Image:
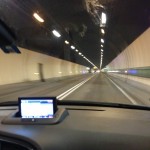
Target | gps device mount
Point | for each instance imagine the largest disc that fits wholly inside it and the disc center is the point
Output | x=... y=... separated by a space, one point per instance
x=59 y=116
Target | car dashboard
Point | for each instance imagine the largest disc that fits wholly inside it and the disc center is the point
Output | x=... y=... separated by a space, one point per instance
x=85 y=127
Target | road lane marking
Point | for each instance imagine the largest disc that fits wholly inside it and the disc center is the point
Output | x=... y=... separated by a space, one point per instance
x=68 y=92
x=123 y=92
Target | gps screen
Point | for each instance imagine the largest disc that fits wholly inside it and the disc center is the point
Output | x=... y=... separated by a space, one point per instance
x=37 y=108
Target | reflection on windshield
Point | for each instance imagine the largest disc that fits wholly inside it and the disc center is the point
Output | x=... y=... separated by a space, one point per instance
x=82 y=51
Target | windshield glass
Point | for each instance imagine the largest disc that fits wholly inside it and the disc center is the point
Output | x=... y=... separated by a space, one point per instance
x=82 y=50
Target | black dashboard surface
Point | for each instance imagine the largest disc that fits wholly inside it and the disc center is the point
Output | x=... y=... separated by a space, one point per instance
x=86 y=128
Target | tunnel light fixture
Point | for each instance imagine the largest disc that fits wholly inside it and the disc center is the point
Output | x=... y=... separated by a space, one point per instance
x=90 y=62
x=102 y=50
x=102 y=31
x=102 y=40
x=56 y=33
x=102 y=46
x=72 y=47
x=36 y=73
x=60 y=72
x=95 y=67
x=103 y=18
x=37 y=17
x=113 y=71
x=66 y=42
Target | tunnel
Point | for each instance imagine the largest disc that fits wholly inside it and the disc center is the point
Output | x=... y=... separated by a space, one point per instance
x=84 y=50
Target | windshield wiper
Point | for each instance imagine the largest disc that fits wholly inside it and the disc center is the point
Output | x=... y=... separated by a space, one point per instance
x=102 y=104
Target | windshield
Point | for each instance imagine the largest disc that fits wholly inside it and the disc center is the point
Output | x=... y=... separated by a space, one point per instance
x=81 y=50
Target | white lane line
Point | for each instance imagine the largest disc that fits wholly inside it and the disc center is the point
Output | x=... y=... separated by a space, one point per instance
x=68 y=92
x=123 y=92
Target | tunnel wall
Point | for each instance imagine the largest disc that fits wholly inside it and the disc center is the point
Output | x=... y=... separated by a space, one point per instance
x=23 y=67
x=133 y=64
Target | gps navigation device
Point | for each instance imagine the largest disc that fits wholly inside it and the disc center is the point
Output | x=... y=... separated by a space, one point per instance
x=37 y=107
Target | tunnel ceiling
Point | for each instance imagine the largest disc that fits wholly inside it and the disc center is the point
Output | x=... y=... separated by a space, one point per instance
x=126 y=20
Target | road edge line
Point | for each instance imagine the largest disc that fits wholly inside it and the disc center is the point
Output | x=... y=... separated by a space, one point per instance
x=122 y=91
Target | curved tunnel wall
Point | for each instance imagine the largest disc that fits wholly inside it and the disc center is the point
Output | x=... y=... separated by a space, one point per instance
x=133 y=64
x=15 y=68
